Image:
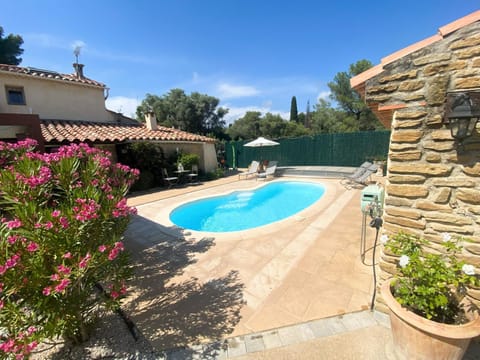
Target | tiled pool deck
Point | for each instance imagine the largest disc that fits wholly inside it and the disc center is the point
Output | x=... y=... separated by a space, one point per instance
x=296 y=289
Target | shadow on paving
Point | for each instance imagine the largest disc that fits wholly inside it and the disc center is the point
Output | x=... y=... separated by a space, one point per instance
x=173 y=315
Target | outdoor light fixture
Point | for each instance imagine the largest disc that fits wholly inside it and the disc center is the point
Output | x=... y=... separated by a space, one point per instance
x=462 y=114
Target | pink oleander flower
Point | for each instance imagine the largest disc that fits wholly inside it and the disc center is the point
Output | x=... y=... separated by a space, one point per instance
x=32 y=346
x=114 y=294
x=55 y=213
x=102 y=248
x=48 y=225
x=2 y=304
x=62 y=286
x=87 y=210
x=32 y=246
x=123 y=289
x=64 y=269
x=47 y=291
x=12 y=261
x=122 y=209
x=12 y=239
x=83 y=263
x=13 y=224
x=106 y=188
x=25 y=144
x=54 y=277
x=113 y=254
x=116 y=249
x=7 y=346
x=64 y=222
x=67 y=255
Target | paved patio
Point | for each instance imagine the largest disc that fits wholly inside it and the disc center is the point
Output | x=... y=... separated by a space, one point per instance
x=269 y=293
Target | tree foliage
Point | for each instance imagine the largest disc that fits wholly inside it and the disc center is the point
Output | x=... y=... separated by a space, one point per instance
x=253 y=125
x=196 y=113
x=293 y=110
x=326 y=119
x=348 y=99
x=10 y=49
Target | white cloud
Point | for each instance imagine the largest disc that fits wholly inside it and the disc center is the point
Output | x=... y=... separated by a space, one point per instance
x=229 y=91
x=323 y=95
x=122 y=104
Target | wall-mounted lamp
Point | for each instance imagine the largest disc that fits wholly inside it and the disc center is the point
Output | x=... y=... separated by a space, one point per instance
x=462 y=114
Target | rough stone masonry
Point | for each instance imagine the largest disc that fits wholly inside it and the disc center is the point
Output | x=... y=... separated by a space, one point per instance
x=431 y=187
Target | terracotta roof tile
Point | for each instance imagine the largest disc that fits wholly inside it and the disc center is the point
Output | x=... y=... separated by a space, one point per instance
x=47 y=74
x=60 y=131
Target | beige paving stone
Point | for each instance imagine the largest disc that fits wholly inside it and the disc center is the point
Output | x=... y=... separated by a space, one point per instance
x=295 y=300
x=359 y=301
x=309 y=264
x=297 y=276
x=329 y=302
x=356 y=281
x=271 y=317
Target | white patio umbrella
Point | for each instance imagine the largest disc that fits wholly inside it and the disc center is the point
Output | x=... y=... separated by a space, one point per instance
x=261 y=141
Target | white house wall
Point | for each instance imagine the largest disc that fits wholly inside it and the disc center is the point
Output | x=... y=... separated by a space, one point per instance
x=206 y=152
x=52 y=99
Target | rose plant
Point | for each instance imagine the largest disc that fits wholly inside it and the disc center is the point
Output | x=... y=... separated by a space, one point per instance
x=431 y=283
x=63 y=215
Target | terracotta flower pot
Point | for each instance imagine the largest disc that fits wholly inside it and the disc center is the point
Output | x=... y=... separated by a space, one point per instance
x=415 y=337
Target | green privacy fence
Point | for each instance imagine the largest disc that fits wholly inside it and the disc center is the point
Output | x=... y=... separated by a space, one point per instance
x=346 y=149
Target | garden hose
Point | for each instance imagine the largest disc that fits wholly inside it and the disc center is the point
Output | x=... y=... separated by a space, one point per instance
x=377 y=224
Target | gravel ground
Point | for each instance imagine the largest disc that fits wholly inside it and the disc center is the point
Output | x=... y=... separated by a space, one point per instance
x=111 y=339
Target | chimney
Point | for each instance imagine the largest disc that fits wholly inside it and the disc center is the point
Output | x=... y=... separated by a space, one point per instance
x=151 y=120
x=78 y=70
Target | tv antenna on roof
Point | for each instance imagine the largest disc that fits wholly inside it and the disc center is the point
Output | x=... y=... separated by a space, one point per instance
x=76 y=52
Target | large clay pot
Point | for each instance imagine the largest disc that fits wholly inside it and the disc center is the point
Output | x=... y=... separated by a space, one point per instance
x=415 y=337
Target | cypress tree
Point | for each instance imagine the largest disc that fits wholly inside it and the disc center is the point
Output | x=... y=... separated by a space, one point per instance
x=307 y=116
x=293 y=110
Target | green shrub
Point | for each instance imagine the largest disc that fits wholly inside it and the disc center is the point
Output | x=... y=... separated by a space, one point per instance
x=430 y=283
x=187 y=160
x=147 y=157
x=146 y=181
x=214 y=175
x=63 y=216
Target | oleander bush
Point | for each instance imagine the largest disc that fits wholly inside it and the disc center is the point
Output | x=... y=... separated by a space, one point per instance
x=62 y=219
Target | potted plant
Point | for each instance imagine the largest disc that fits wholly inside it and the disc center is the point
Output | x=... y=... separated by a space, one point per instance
x=431 y=317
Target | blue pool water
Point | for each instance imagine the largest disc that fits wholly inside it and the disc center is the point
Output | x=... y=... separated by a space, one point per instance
x=242 y=210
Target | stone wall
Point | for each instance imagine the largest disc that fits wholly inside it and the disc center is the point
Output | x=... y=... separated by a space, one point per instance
x=431 y=187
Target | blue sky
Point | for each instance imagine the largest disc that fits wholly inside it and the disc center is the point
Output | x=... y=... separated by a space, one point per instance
x=252 y=55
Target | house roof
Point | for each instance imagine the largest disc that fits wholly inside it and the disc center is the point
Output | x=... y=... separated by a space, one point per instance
x=47 y=74
x=358 y=82
x=60 y=131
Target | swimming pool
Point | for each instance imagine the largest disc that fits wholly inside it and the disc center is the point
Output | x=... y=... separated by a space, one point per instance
x=243 y=210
